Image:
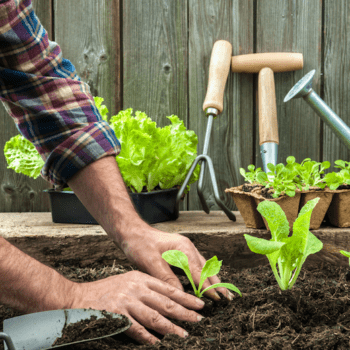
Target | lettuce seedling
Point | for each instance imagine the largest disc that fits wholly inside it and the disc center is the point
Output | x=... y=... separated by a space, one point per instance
x=280 y=179
x=310 y=173
x=345 y=253
x=286 y=254
x=211 y=268
x=334 y=180
x=342 y=165
x=252 y=175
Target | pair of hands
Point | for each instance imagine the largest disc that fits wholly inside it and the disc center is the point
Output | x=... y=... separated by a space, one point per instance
x=148 y=298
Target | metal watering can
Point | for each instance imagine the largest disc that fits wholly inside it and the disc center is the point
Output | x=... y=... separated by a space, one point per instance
x=303 y=88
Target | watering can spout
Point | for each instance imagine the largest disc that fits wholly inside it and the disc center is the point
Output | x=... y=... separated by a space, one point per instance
x=303 y=88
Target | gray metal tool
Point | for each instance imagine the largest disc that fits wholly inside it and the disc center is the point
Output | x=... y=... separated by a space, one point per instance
x=219 y=68
x=38 y=331
x=303 y=88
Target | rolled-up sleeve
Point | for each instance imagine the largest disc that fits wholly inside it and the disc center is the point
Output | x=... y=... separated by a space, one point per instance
x=49 y=103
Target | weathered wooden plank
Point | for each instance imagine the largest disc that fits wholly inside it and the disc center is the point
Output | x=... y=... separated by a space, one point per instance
x=155 y=51
x=155 y=59
x=292 y=26
x=18 y=193
x=336 y=68
x=89 y=35
x=231 y=145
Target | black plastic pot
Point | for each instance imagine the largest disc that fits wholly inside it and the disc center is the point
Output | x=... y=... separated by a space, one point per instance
x=153 y=207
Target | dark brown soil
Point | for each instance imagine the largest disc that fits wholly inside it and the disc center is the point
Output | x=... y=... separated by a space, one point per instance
x=249 y=187
x=91 y=328
x=315 y=314
x=265 y=192
x=344 y=187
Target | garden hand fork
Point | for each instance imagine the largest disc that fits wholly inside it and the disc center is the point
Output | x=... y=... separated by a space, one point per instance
x=219 y=68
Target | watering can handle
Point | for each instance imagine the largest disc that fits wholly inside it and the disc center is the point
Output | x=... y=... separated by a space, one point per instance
x=8 y=341
x=219 y=68
x=268 y=126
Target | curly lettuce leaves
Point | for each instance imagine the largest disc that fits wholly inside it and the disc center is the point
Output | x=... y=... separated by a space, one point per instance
x=152 y=156
x=22 y=157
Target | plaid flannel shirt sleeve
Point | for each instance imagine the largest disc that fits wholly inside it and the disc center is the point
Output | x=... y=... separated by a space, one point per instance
x=49 y=103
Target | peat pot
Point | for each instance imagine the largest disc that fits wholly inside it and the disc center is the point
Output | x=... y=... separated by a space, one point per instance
x=338 y=212
x=319 y=212
x=153 y=207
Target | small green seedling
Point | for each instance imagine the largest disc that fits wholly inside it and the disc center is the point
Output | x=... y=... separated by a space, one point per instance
x=252 y=175
x=286 y=253
x=310 y=173
x=211 y=268
x=347 y=254
x=280 y=179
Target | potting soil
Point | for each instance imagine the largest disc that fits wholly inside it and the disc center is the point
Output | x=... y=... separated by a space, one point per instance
x=315 y=314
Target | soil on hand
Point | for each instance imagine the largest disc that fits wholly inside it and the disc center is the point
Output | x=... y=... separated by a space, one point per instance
x=91 y=328
x=315 y=314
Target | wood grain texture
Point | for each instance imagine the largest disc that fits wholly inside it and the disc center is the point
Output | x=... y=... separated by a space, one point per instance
x=155 y=59
x=155 y=56
x=231 y=144
x=268 y=125
x=292 y=26
x=19 y=193
x=88 y=33
x=336 y=75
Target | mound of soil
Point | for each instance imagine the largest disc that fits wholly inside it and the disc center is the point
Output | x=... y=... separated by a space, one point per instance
x=315 y=314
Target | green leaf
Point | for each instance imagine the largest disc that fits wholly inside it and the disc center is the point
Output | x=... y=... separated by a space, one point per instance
x=101 y=108
x=224 y=285
x=251 y=167
x=180 y=260
x=345 y=253
x=22 y=157
x=211 y=268
x=262 y=246
x=276 y=219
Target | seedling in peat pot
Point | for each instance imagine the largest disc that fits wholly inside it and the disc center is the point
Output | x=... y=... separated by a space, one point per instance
x=310 y=173
x=280 y=179
x=252 y=175
x=211 y=268
x=286 y=253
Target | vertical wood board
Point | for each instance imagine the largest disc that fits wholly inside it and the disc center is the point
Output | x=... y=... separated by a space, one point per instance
x=88 y=33
x=336 y=75
x=231 y=143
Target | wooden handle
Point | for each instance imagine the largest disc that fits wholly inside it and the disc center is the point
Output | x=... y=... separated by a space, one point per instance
x=268 y=126
x=277 y=61
x=219 y=68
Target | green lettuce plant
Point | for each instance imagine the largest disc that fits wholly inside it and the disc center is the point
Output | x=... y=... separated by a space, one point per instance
x=211 y=268
x=286 y=254
x=150 y=156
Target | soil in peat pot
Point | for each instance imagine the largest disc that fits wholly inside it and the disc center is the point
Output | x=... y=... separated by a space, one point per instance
x=315 y=314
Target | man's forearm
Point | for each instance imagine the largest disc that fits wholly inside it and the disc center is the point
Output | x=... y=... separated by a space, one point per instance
x=100 y=187
x=28 y=285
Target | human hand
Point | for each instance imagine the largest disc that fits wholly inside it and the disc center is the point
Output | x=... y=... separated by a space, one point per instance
x=145 y=300
x=146 y=246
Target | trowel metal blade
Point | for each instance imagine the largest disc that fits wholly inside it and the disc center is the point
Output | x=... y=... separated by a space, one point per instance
x=38 y=331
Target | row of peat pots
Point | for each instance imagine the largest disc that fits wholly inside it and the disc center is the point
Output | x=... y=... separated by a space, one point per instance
x=333 y=206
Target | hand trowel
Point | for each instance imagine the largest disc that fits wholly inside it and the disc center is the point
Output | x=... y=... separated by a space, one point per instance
x=38 y=331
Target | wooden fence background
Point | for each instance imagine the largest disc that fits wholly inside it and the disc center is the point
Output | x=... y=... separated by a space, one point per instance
x=153 y=56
